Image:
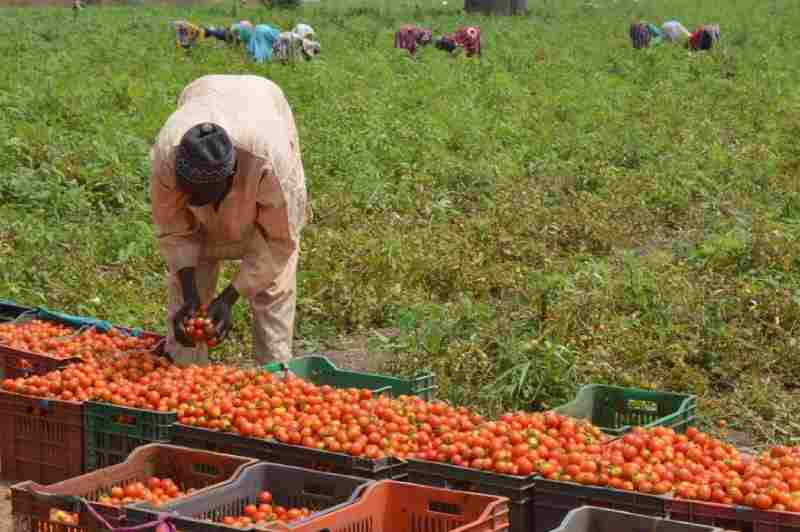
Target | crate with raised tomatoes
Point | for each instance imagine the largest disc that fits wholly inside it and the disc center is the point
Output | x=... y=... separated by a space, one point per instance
x=42 y=416
x=503 y=457
x=758 y=493
x=36 y=341
x=296 y=422
x=156 y=474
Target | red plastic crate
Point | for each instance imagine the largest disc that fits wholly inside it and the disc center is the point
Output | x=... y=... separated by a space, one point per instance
x=40 y=440
x=391 y=506
x=33 y=504
x=728 y=517
x=18 y=363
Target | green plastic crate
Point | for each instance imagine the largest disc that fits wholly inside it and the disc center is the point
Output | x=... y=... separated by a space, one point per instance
x=617 y=410
x=321 y=371
x=108 y=440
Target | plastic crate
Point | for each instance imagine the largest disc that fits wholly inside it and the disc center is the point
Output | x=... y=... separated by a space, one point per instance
x=9 y=311
x=391 y=506
x=553 y=500
x=321 y=371
x=32 y=503
x=591 y=519
x=40 y=440
x=112 y=432
x=17 y=363
x=290 y=487
x=732 y=517
x=617 y=410
x=220 y=442
x=293 y=455
x=518 y=490
x=388 y=468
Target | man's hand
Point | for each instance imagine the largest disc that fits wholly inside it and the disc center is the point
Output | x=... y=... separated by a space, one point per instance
x=191 y=304
x=220 y=312
x=188 y=310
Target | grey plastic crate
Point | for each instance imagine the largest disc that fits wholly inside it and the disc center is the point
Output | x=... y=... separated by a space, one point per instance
x=593 y=519
x=290 y=487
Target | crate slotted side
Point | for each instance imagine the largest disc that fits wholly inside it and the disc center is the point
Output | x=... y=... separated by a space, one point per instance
x=291 y=487
x=518 y=490
x=109 y=436
x=321 y=371
x=189 y=468
x=593 y=519
x=391 y=506
x=40 y=440
x=617 y=410
x=294 y=455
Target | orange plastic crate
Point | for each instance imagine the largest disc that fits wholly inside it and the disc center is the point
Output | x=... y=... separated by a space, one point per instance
x=391 y=506
x=32 y=504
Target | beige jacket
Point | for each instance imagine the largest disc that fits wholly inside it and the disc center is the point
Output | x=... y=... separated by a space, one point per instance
x=268 y=193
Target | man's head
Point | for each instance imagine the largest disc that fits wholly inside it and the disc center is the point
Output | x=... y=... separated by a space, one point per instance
x=205 y=162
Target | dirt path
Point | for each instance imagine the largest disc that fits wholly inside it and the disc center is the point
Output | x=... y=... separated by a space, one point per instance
x=353 y=353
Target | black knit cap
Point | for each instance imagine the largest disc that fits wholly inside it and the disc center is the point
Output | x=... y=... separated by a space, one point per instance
x=205 y=156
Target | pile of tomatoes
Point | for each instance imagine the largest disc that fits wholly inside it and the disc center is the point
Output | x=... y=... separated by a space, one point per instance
x=693 y=466
x=61 y=342
x=156 y=491
x=770 y=481
x=516 y=444
x=350 y=421
x=265 y=512
x=125 y=378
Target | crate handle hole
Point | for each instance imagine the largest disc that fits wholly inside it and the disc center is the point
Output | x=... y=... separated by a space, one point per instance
x=319 y=490
x=205 y=469
x=445 y=508
x=460 y=486
x=642 y=405
x=39 y=412
x=122 y=419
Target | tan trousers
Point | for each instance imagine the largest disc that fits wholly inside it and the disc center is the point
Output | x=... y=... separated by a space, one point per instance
x=273 y=309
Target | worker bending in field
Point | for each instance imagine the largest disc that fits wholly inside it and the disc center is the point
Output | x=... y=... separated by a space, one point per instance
x=228 y=184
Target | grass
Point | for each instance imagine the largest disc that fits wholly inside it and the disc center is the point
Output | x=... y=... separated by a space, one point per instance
x=564 y=210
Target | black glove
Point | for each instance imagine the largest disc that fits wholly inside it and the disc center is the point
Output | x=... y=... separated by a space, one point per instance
x=191 y=304
x=220 y=312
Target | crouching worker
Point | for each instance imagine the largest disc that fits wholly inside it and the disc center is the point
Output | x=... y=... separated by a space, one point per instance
x=228 y=183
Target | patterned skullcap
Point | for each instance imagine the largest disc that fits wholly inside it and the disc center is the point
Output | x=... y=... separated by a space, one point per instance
x=205 y=155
